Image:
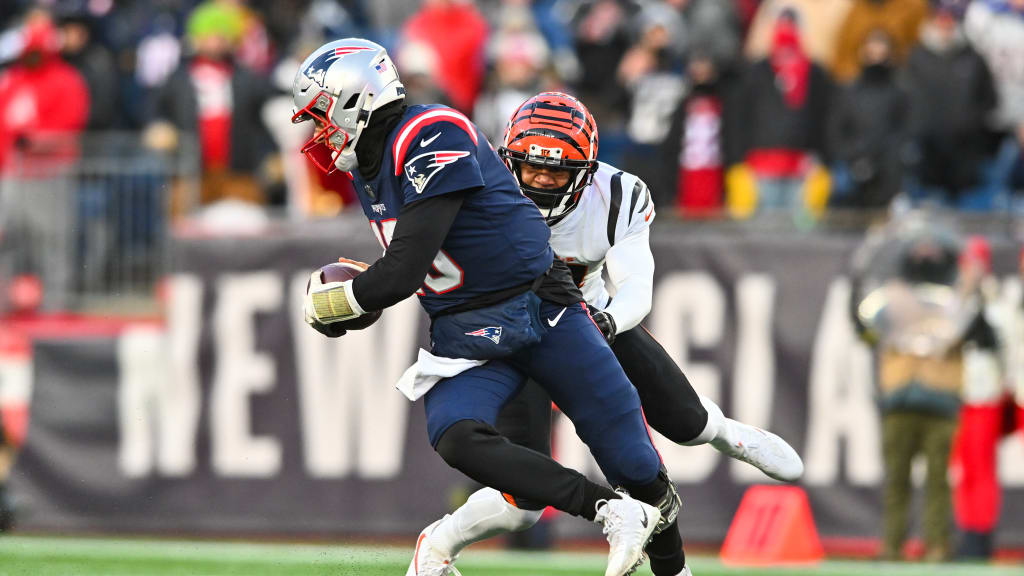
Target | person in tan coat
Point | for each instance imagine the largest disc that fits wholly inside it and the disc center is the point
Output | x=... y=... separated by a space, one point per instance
x=915 y=322
x=900 y=19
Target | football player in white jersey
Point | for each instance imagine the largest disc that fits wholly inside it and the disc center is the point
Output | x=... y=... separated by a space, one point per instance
x=600 y=218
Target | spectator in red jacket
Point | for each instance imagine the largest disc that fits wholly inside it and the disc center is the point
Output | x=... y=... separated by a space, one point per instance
x=782 y=109
x=41 y=96
x=456 y=29
x=44 y=105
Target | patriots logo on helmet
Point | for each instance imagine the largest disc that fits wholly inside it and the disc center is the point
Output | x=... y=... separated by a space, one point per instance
x=422 y=168
x=317 y=69
x=492 y=333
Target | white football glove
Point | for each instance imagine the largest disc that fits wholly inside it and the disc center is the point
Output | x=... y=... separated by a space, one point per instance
x=331 y=302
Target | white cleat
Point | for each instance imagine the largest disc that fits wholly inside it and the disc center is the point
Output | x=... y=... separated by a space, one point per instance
x=685 y=572
x=428 y=561
x=629 y=525
x=763 y=450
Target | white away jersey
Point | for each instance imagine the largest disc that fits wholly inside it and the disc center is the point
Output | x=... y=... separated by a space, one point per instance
x=611 y=225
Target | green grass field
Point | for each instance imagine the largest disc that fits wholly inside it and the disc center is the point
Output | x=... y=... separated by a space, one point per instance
x=37 y=556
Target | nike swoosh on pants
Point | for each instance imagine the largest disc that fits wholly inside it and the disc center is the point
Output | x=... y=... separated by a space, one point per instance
x=553 y=321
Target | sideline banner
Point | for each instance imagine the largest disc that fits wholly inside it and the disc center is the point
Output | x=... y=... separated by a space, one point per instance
x=236 y=418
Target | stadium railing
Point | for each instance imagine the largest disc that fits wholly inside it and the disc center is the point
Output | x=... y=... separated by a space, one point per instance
x=88 y=215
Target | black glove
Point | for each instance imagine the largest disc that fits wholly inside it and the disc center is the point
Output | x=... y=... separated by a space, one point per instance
x=330 y=330
x=606 y=324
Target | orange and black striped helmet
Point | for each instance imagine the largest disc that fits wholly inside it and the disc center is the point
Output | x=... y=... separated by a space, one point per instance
x=553 y=130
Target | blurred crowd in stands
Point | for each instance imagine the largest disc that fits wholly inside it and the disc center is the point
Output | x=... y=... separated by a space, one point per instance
x=725 y=107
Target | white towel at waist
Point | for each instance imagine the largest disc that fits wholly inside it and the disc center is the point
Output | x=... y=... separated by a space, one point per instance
x=428 y=370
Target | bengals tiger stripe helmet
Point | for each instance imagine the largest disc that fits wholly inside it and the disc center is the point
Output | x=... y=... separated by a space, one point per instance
x=557 y=131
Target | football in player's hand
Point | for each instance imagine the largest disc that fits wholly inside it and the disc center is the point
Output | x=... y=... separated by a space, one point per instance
x=340 y=272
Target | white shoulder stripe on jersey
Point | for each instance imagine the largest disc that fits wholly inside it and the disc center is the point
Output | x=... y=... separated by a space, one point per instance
x=444 y=113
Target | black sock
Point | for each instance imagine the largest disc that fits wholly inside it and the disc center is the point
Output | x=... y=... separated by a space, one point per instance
x=592 y=493
x=650 y=493
x=666 y=548
x=666 y=552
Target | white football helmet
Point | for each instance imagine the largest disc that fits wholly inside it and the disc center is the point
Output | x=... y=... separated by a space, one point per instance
x=339 y=86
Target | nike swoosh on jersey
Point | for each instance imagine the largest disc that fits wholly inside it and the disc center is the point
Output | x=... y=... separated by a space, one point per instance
x=426 y=142
x=553 y=321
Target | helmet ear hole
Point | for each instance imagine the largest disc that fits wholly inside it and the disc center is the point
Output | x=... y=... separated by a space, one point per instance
x=351 y=103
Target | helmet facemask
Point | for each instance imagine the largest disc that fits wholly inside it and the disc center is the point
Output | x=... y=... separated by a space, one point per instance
x=331 y=147
x=338 y=86
x=554 y=203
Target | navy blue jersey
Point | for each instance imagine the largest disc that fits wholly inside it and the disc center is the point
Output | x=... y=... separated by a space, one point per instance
x=498 y=240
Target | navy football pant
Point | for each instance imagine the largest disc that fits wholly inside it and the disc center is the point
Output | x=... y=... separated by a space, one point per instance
x=580 y=373
x=671 y=405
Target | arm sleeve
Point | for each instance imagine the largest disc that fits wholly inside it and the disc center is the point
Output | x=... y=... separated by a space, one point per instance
x=630 y=263
x=421 y=229
x=631 y=270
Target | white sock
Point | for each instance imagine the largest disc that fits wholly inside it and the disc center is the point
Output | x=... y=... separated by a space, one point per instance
x=717 y=426
x=485 y=514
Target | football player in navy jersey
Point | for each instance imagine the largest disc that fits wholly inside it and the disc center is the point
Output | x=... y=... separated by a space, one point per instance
x=600 y=218
x=458 y=232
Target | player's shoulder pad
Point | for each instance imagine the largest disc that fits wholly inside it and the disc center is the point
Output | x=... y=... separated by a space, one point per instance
x=414 y=132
